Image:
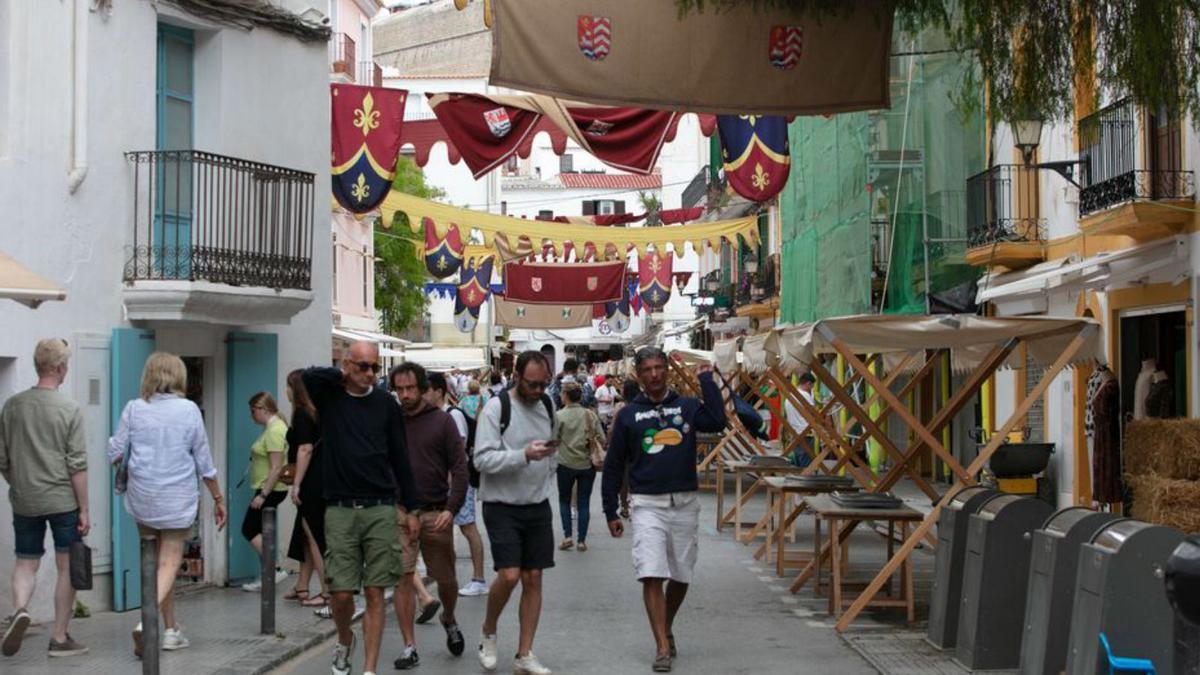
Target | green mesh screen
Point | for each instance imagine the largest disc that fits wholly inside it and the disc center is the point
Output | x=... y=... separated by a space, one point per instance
x=868 y=189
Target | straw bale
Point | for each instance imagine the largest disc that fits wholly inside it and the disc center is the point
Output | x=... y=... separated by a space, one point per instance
x=1166 y=501
x=1163 y=448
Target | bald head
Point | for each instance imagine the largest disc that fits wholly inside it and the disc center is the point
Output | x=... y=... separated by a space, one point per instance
x=361 y=366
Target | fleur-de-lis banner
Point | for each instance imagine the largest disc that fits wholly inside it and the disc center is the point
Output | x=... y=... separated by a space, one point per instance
x=366 y=125
x=443 y=255
x=475 y=282
x=755 y=151
x=617 y=313
x=654 y=280
x=465 y=317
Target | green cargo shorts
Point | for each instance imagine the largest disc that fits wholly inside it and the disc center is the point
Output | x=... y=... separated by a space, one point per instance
x=362 y=549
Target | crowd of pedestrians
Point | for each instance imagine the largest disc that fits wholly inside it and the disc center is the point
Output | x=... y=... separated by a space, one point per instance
x=381 y=471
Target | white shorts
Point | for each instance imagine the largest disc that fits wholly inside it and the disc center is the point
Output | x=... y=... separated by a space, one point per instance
x=665 y=535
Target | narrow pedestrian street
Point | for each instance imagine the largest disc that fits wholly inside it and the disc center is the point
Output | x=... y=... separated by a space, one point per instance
x=738 y=618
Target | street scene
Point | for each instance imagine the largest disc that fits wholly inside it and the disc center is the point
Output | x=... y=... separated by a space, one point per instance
x=597 y=336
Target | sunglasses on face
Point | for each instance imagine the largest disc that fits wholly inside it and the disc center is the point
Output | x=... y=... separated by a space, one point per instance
x=364 y=366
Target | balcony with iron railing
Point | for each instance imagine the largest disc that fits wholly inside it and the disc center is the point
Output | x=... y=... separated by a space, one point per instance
x=218 y=239
x=370 y=74
x=1003 y=223
x=343 y=56
x=1126 y=163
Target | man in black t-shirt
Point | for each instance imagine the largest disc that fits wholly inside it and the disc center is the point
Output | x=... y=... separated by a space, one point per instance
x=367 y=475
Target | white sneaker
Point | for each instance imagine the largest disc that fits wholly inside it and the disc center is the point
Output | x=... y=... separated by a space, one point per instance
x=342 y=655
x=529 y=665
x=173 y=639
x=359 y=610
x=476 y=587
x=487 y=652
x=281 y=575
x=252 y=587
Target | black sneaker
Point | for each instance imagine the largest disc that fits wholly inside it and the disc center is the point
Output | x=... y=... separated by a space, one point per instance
x=428 y=611
x=408 y=660
x=454 y=639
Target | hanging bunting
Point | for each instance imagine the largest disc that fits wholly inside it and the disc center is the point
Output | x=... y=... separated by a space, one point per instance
x=654 y=280
x=564 y=283
x=442 y=290
x=681 y=280
x=755 y=151
x=484 y=131
x=366 y=131
x=632 y=296
x=475 y=281
x=617 y=313
x=490 y=226
x=748 y=58
x=676 y=216
x=525 y=315
x=465 y=318
x=443 y=255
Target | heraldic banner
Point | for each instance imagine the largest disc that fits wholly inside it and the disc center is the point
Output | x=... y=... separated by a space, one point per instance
x=564 y=283
x=654 y=280
x=754 y=149
x=476 y=280
x=525 y=315
x=742 y=59
x=443 y=255
x=366 y=141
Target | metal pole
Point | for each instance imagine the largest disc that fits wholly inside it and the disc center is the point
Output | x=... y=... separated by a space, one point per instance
x=268 y=571
x=149 y=606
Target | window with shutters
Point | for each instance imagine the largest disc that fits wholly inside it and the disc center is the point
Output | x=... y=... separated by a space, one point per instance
x=566 y=163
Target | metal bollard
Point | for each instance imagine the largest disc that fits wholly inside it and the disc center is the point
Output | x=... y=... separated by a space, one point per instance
x=268 y=571
x=149 y=606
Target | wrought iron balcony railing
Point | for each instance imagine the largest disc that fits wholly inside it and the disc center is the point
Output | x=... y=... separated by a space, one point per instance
x=369 y=74
x=1002 y=205
x=343 y=55
x=1108 y=174
x=199 y=216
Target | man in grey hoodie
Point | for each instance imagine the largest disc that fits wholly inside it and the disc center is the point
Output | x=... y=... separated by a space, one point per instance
x=515 y=456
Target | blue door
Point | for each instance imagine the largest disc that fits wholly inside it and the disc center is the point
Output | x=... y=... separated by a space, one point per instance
x=252 y=361
x=130 y=349
x=171 y=240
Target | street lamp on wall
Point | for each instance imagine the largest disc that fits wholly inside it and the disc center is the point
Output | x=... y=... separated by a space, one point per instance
x=1027 y=135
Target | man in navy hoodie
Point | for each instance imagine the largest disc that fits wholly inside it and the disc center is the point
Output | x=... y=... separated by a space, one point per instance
x=655 y=437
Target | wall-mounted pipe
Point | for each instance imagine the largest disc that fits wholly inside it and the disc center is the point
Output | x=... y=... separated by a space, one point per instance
x=79 y=158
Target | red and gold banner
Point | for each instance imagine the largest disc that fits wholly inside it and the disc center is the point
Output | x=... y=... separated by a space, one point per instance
x=366 y=124
x=475 y=283
x=484 y=131
x=755 y=151
x=654 y=280
x=443 y=255
x=564 y=283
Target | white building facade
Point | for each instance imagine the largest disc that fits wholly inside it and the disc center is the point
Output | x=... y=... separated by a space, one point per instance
x=169 y=171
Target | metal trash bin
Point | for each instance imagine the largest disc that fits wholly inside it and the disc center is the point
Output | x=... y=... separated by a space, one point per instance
x=1119 y=592
x=995 y=577
x=948 y=564
x=1052 y=567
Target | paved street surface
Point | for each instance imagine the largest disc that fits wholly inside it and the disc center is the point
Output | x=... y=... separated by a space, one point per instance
x=738 y=618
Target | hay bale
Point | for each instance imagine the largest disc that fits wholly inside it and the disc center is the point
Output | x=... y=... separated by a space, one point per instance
x=1165 y=501
x=1163 y=448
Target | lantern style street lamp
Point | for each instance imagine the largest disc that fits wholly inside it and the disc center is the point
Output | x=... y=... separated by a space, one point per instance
x=1027 y=135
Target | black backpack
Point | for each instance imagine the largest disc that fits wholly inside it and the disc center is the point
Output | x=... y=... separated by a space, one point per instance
x=473 y=475
x=506 y=410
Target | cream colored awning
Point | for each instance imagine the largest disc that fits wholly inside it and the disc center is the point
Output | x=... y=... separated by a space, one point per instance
x=969 y=338
x=19 y=283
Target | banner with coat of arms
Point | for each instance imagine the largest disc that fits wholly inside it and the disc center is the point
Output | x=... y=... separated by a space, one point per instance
x=769 y=60
x=443 y=255
x=366 y=124
x=755 y=151
x=564 y=283
x=654 y=280
x=475 y=282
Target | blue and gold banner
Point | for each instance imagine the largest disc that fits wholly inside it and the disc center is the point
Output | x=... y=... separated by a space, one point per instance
x=366 y=123
x=443 y=255
x=755 y=151
x=474 y=283
x=654 y=280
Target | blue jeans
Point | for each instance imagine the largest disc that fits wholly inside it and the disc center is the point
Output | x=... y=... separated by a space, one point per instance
x=584 y=479
x=30 y=533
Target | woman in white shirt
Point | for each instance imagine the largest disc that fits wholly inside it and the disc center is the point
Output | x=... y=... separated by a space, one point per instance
x=162 y=441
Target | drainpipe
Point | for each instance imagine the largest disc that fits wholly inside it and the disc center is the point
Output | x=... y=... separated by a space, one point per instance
x=79 y=165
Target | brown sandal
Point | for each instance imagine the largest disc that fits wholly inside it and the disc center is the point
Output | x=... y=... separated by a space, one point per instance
x=296 y=594
x=567 y=544
x=319 y=600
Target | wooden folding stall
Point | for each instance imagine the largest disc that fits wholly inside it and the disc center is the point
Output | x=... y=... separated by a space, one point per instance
x=978 y=346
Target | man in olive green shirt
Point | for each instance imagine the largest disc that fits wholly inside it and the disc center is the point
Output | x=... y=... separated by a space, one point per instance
x=43 y=457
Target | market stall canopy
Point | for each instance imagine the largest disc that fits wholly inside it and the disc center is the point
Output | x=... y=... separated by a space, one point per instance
x=511 y=230
x=19 y=283
x=743 y=59
x=354 y=335
x=692 y=357
x=969 y=338
x=447 y=358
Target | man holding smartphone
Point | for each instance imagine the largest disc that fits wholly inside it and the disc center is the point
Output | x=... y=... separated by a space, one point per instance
x=515 y=456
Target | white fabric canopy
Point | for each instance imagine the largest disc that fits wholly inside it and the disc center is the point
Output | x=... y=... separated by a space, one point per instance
x=726 y=356
x=760 y=352
x=692 y=357
x=969 y=338
x=447 y=358
x=19 y=283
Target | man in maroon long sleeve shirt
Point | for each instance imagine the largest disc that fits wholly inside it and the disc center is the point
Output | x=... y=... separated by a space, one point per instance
x=439 y=466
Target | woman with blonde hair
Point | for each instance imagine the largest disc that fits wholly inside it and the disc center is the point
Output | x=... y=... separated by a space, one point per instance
x=266 y=465
x=162 y=445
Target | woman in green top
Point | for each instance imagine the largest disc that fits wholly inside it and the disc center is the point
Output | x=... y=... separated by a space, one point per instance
x=266 y=465
x=576 y=426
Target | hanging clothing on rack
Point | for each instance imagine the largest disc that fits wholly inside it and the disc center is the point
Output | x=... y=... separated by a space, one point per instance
x=1104 y=410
